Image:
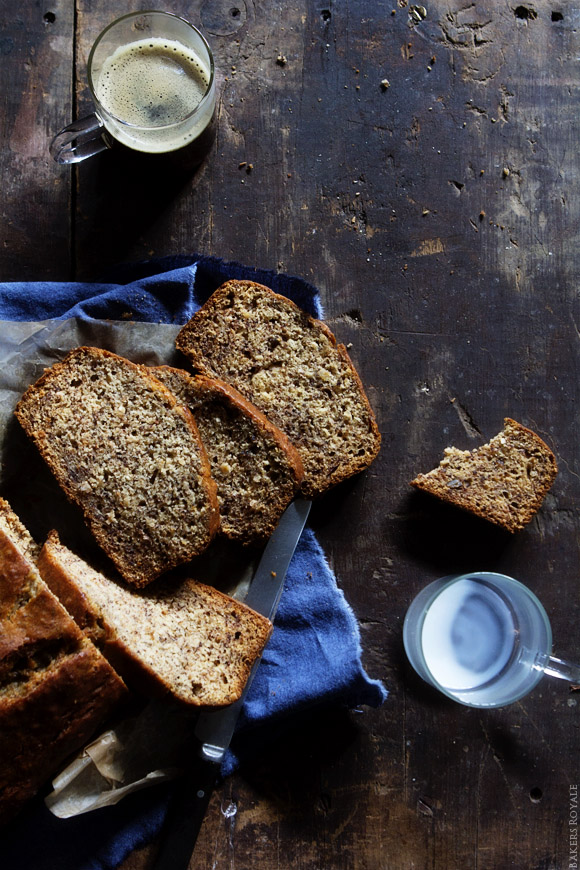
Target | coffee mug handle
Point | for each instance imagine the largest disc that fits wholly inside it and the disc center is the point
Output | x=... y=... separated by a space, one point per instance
x=560 y=668
x=81 y=139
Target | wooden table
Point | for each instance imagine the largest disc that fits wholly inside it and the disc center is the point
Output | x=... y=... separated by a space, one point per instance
x=420 y=165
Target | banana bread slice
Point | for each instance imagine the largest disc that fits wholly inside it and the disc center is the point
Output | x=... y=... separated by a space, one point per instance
x=182 y=638
x=504 y=481
x=56 y=688
x=126 y=452
x=256 y=468
x=289 y=365
x=17 y=532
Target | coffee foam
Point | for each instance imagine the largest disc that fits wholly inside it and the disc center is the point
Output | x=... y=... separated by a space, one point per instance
x=152 y=83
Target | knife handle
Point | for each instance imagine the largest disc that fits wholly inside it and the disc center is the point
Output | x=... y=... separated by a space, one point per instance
x=185 y=816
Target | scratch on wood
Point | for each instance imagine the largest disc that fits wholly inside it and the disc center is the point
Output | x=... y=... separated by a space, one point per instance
x=477 y=110
x=567 y=775
x=335 y=834
x=428 y=247
x=406 y=751
x=423 y=808
x=466 y=419
x=465 y=35
x=499 y=764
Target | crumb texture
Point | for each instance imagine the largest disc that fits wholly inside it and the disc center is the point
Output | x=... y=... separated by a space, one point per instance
x=129 y=455
x=256 y=469
x=182 y=638
x=55 y=686
x=289 y=366
x=504 y=481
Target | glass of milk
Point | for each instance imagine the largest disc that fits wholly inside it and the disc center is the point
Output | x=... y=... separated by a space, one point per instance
x=482 y=639
x=152 y=80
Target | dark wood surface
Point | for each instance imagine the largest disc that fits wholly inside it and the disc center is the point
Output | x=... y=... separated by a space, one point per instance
x=424 y=174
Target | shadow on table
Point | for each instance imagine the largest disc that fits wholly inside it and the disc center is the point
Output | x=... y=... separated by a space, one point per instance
x=424 y=705
x=285 y=765
x=333 y=511
x=34 y=495
x=449 y=539
x=121 y=192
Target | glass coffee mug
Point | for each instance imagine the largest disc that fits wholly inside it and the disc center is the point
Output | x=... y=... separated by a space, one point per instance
x=482 y=639
x=152 y=80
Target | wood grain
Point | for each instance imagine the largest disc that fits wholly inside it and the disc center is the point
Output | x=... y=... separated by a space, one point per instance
x=37 y=51
x=423 y=173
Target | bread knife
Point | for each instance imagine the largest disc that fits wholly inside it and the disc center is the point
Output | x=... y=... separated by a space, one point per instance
x=214 y=729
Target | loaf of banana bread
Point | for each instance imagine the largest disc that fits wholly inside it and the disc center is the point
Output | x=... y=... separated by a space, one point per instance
x=56 y=688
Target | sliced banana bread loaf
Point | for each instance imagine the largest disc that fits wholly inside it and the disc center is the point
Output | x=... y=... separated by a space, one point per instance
x=504 y=481
x=129 y=455
x=290 y=366
x=256 y=468
x=55 y=686
x=184 y=638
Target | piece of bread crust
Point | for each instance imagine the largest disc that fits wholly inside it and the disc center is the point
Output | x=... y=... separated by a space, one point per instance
x=129 y=455
x=256 y=468
x=182 y=638
x=290 y=366
x=504 y=481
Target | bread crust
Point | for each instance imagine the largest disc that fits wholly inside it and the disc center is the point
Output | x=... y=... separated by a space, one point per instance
x=195 y=342
x=68 y=593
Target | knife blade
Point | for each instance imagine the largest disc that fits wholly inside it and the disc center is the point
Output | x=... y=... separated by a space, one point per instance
x=214 y=729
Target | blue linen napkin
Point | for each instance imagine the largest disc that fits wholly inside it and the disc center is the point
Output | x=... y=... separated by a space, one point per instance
x=314 y=654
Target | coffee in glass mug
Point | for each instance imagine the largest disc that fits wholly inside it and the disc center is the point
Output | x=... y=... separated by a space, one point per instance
x=152 y=79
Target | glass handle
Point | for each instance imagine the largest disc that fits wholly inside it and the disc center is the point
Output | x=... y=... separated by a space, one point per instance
x=80 y=140
x=560 y=668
